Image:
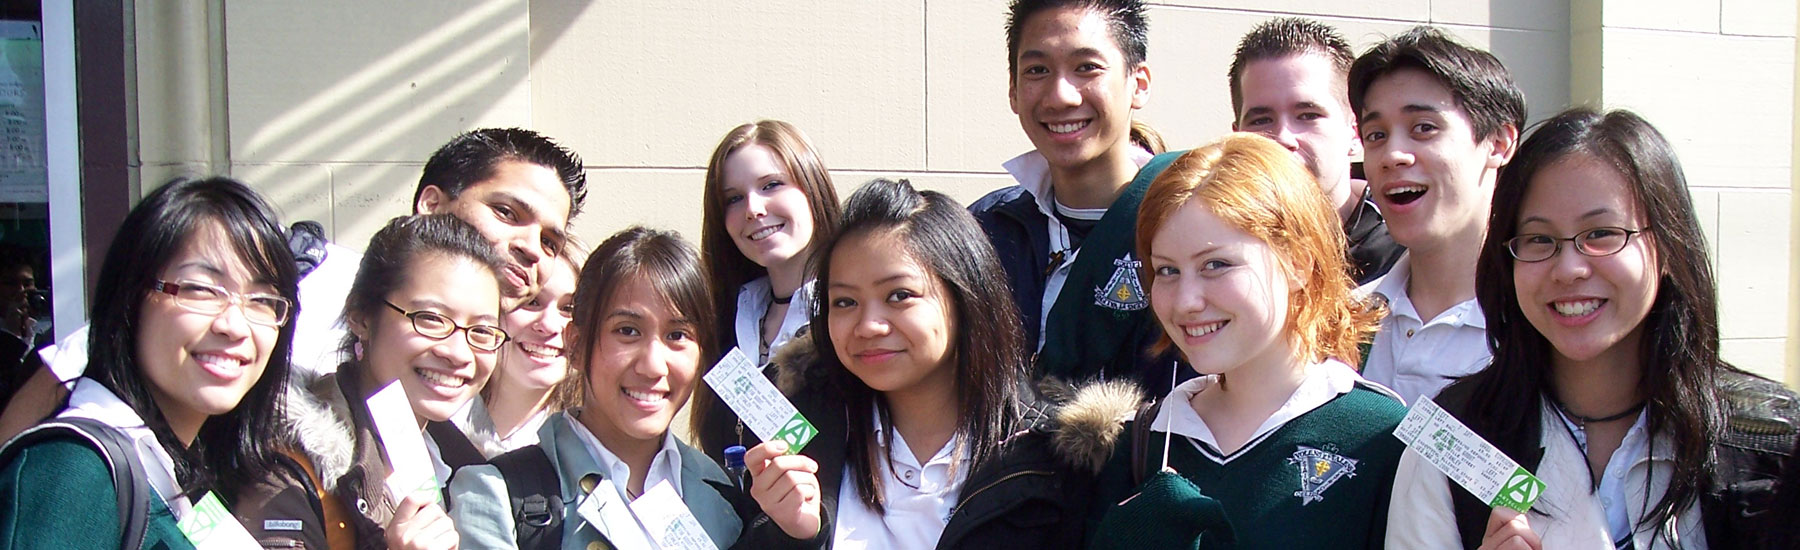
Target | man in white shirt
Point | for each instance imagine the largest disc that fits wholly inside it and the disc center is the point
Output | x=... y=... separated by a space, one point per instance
x=1438 y=119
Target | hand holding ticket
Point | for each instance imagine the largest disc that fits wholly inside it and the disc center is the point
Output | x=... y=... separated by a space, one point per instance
x=743 y=387
x=1463 y=456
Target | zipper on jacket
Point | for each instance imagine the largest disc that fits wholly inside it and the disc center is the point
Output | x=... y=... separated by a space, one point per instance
x=1003 y=479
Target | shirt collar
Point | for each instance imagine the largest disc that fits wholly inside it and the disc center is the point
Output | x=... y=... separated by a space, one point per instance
x=1324 y=381
x=1032 y=171
x=665 y=465
x=1392 y=288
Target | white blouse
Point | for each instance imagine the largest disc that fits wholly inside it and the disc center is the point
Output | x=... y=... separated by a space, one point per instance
x=753 y=302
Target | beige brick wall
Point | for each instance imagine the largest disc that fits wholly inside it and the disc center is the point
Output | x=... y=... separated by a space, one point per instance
x=1717 y=77
x=331 y=106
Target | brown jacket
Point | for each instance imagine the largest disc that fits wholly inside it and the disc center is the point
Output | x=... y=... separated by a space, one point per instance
x=333 y=492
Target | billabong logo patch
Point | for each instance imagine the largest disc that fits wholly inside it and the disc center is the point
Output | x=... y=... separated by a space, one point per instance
x=1318 y=470
x=1122 y=292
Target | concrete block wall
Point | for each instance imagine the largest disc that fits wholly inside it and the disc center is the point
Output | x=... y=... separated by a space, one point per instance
x=1717 y=78
x=332 y=106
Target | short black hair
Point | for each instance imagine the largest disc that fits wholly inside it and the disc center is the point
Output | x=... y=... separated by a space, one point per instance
x=1127 y=19
x=472 y=157
x=389 y=262
x=1482 y=86
x=1282 y=37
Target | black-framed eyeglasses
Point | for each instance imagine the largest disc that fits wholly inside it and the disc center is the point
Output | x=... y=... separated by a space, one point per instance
x=1595 y=242
x=263 y=309
x=435 y=326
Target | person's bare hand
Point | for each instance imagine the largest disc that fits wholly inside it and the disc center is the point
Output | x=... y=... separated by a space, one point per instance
x=786 y=487
x=419 y=524
x=1508 y=530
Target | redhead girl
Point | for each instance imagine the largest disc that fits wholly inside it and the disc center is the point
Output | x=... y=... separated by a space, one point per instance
x=1606 y=381
x=642 y=329
x=1245 y=265
x=534 y=379
x=188 y=353
x=915 y=376
x=768 y=199
x=424 y=311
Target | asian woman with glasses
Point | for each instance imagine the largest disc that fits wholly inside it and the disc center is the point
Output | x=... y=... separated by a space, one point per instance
x=189 y=351
x=424 y=312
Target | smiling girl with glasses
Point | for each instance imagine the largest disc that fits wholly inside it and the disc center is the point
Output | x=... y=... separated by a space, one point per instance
x=188 y=353
x=1607 y=380
x=423 y=280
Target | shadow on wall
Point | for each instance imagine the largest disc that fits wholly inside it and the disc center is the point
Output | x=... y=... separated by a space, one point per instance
x=332 y=115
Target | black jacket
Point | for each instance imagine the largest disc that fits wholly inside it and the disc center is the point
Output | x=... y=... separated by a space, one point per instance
x=1033 y=494
x=1752 y=482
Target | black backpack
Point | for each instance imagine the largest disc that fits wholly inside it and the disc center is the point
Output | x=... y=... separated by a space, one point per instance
x=120 y=453
x=535 y=492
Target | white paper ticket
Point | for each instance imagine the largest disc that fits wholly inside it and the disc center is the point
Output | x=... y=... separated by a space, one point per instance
x=405 y=444
x=209 y=526
x=755 y=400
x=1463 y=456
x=605 y=509
x=669 y=520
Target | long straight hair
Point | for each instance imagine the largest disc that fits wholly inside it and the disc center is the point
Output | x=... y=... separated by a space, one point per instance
x=720 y=258
x=1679 y=352
x=150 y=237
x=988 y=347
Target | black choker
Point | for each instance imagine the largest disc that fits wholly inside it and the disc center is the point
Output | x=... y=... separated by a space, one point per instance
x=783 y=300
x=1585 y=420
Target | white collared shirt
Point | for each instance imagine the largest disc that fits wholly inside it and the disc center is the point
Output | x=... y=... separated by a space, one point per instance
x=754 y=300
x=91 y=400
x=918 y=498
x=1323 y=382
x=1418 y=358
x=665 y=466
x=1612 y=489
x=1032 y=171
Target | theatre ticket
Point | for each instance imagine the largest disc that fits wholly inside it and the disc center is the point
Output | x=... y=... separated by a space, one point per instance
x=754 y=398
x=1465 y=457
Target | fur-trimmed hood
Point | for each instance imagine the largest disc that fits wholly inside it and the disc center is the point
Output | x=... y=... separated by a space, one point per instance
x=318 y=421
x=1084 y=421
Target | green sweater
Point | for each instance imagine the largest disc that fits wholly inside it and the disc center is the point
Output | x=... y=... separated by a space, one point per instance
x=1261 y=487
x=58 y=494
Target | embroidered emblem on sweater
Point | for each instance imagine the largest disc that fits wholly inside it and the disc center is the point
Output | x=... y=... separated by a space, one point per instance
x=1318 y=470
x=1122 y=292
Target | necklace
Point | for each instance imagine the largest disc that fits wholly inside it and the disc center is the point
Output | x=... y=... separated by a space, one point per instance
x=1585 y=420
x=783 y=300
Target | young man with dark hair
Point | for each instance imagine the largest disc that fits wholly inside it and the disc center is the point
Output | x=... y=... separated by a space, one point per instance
x=518 y=187
x=1438 y=120
x=1077 y=72
x=1289 y=81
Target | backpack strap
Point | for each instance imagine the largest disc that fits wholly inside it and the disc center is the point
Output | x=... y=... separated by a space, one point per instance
x=533 y=489
x=454 y=446
x=1140 y=441
x=120 y=453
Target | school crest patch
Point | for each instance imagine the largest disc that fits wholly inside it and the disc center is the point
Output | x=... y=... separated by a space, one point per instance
x=1318 y=470
x=1122 y=291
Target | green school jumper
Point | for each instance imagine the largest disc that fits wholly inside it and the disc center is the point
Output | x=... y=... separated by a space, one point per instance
x=1294 y=488
x=58 y=494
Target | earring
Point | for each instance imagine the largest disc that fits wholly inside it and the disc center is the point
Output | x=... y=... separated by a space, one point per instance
x=356 y=349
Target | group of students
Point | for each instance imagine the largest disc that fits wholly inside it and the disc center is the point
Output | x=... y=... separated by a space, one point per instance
x=977 y=377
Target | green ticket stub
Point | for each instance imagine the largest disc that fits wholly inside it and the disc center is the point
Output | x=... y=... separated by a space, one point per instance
x=741 y=385
x=209 y=525
x=1465 y=457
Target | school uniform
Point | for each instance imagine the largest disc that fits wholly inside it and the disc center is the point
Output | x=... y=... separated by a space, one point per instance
x=484 y=517
x=1080 y=301
x=1316 y=474
x=1737 y=509
x=477 y=424
x=1033 y=493
x=1416 y=356
x=59 y=492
